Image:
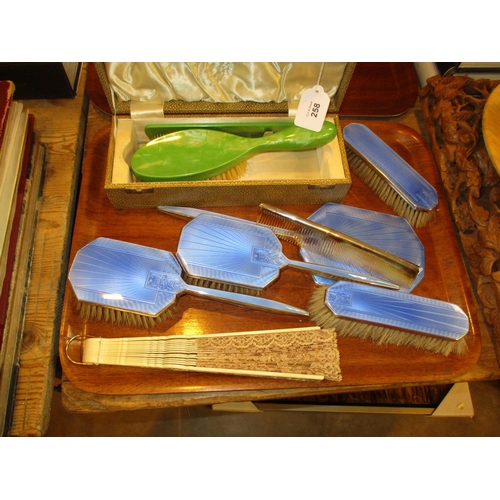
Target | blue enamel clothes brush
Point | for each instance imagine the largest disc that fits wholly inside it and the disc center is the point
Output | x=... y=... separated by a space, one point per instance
x=391 y=233
x=127 y=283
x=199 y=154
x=388 y=175
x=388 y=317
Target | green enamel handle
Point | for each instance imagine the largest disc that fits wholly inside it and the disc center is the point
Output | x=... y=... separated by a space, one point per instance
x=295 y=139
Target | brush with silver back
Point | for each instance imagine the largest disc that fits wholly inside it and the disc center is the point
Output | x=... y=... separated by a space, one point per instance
x=127 y=283
x=388 y=175
x=389 y=317
x=389 y=233
x=230 y=251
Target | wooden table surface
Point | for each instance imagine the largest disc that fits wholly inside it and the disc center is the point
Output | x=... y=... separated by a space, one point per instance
x=60 y=125
x=364 y=366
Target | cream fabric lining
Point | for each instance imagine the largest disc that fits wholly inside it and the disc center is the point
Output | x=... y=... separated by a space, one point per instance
x=223 y=82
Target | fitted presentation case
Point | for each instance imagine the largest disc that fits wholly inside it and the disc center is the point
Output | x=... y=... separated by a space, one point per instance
x=242 y=98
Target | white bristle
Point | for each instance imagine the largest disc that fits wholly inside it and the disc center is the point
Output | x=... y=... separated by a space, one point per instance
x=232 y=174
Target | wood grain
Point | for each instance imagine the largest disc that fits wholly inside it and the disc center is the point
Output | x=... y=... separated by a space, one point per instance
x=380 y=89
x=363 y=364
x=60 y=124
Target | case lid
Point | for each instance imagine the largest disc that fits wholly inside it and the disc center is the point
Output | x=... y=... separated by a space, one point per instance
x=220 y=88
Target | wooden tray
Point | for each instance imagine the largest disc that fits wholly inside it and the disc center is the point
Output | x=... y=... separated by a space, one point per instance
x=362 y=363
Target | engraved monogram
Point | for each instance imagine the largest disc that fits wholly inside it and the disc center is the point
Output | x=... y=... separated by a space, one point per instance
x=266 y=257
x=341 y=298
x=163 y=282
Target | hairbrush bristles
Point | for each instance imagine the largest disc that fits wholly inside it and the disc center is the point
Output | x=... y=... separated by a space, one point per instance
x=217 y=285
x=387 y=317
x=233 y=174
x=98 y=313
x=389 y=176
x=127 y=283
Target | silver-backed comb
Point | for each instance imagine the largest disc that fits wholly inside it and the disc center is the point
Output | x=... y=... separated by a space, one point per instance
x=354 y=253
x=391 y=233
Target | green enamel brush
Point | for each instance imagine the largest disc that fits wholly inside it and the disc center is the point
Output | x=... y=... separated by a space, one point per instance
x=199 y=154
